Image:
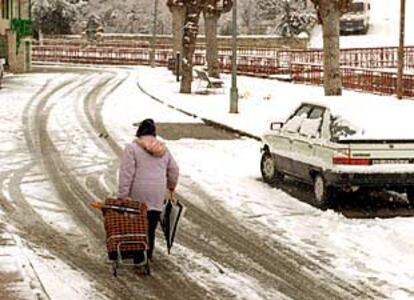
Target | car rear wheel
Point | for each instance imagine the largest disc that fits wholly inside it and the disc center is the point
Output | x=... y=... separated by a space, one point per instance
x=322 y=193
x=269 y=169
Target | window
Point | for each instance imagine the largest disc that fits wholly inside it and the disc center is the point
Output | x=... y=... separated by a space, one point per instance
x=5 y=9
x=295 y=121
x=341 y=128
x=357 y=7
x=304 y=109
x=307 y=121
x=317 y=112
x=311 y=126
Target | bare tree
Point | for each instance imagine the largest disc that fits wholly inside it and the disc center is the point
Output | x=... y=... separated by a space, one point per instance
x=212 y=11
x=247 y=12
x=193 y=9
x=329 y=13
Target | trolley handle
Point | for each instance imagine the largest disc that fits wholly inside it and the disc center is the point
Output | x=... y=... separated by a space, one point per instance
x=119 y=208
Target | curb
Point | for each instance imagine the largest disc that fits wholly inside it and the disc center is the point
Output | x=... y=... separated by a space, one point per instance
x=206 y=121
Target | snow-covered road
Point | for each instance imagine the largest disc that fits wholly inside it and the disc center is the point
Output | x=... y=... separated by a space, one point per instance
x=62 y=133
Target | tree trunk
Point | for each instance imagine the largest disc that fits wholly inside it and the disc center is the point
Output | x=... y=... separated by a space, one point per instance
x=189 y=42
x=330 y=16
x=211 y=44
x=178 y=19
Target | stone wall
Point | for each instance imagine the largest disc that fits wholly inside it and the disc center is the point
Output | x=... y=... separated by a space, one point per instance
x=11 y=50
x=3 y=46
x=4 y=24
x=18 y=61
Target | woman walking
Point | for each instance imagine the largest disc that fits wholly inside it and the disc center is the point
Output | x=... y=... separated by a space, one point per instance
x=147 y=171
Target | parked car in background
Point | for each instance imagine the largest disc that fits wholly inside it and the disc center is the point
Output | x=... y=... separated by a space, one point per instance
x=357 y=19
x=318 y=145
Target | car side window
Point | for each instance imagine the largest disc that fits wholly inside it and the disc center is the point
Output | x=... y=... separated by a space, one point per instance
x=311 y=126
x=316 y=113
x=294 y=123
x=304 y=109
x=341 y=128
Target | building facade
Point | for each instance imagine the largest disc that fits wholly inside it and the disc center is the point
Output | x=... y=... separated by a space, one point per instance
x=15 y=34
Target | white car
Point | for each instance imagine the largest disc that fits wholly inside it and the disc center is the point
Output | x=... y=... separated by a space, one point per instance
x=357 y=18
x=319 y=146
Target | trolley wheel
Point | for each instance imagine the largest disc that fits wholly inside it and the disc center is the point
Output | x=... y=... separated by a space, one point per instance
x=114 y=267
x=147 y=269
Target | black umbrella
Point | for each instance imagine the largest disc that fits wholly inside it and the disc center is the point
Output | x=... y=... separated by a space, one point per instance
x=170 y=216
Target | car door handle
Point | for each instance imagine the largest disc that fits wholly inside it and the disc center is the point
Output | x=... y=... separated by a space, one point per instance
x=310 y=146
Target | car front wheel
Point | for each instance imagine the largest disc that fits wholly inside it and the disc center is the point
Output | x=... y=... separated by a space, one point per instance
x=269 y=170
x=322 y=193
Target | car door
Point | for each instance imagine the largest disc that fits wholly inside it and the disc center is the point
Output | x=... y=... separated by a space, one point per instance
x=287 y=135
x=303 y=144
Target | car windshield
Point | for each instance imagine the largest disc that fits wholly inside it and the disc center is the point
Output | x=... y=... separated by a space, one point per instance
x=357 y=7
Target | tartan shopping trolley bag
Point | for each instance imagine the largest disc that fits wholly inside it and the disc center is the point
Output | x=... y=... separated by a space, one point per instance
x=126 y=227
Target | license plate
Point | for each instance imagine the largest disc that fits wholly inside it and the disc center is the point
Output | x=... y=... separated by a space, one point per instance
x=390 y=161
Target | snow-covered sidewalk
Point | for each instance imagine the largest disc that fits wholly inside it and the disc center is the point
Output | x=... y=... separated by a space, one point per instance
x=262 y=101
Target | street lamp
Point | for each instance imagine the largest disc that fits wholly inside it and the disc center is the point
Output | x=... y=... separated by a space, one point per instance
x=401 y=52
x=234 y=97
x=154 y=35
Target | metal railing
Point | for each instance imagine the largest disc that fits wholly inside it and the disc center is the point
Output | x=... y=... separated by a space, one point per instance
x=378 y=58
x=362 y=69
x=367 y=80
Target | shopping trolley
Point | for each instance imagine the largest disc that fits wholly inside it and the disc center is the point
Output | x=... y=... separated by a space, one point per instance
x=126 y=227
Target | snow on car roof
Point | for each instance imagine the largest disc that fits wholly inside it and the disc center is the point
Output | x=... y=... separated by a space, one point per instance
x=386 y=118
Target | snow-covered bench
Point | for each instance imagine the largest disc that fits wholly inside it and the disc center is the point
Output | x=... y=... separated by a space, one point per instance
x=212 y=83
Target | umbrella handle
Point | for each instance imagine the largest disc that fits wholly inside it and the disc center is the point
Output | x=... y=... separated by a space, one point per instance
x=98 y=204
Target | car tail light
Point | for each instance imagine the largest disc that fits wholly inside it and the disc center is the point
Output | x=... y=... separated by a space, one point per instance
x=341 y=160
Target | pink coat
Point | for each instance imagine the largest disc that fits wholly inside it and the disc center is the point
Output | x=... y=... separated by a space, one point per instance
x=147 y=170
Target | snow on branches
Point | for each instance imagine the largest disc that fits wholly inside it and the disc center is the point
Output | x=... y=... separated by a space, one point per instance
x=193 y=11
x=218 y=7
x=56 y=16
x=179 y=3
x=295 y=21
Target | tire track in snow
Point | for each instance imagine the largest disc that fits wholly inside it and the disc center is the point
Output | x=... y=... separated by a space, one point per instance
x=42 y=234
x=31 y=226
